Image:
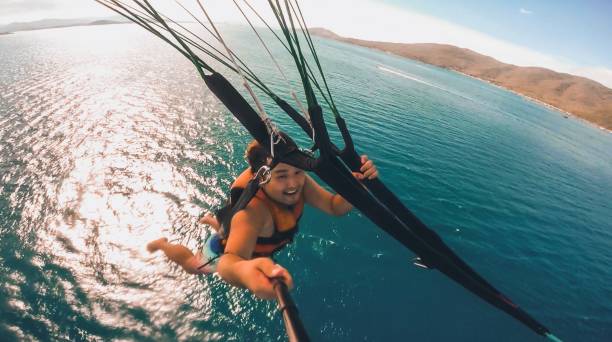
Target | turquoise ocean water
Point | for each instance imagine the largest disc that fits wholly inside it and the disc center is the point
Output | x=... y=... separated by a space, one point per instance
x=109 y=139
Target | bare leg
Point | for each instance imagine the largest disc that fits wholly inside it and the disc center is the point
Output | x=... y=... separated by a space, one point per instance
x=211 y=220
x=176 y=253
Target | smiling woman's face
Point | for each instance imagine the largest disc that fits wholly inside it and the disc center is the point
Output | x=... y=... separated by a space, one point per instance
x=286 y=184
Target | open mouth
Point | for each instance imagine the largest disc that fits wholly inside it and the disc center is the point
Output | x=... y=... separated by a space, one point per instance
x=291 y=192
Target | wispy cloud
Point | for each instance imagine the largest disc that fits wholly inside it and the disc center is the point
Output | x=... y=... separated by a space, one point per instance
x=30 y=10
x=366 y=19
x=374 y=21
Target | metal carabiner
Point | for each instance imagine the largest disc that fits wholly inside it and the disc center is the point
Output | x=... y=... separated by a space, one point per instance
x=264 y=174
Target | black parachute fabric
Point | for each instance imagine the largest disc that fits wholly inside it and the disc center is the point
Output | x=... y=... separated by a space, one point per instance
x=382 y=207
x=334 y=166
x=384 y=210
x=372 y=197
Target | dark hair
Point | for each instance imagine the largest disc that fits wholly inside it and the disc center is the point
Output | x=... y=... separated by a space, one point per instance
x=257 y=155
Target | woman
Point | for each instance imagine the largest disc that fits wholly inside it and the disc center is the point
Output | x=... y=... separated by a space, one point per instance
x=268 y=223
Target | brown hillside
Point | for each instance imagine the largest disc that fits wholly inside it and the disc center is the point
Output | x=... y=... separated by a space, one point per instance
x=577 y=95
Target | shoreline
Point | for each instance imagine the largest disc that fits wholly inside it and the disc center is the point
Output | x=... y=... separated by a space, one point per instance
x=60 y=26
x=379 y=46
x=565 y=113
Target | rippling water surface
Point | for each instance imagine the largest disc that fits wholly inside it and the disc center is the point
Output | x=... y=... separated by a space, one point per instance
x=109 y=139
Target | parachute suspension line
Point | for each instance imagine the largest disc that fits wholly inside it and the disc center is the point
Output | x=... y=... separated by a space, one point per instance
x=280 y=70
x=340 y=122
x=152 y=20
x=296 y=41
x=307 y=87
x=210 y=32
x=266 y=23
x=245 y=68
x=308 y=38
x=144 y=19
x=283 y=26
x=193 y=57
x=278 y=67
x=295 y=52
x=270 y=127
x=155 y=18
x=301 y=62
x=310 y=73
x=121 y=9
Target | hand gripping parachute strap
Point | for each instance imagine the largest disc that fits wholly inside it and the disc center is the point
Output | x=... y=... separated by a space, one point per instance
x=450 y=259
x=372 y=198
x=383 y=208
x=286 y=149
x=429 y=246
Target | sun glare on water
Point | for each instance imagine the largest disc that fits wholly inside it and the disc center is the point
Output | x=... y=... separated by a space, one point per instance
x=108 y=150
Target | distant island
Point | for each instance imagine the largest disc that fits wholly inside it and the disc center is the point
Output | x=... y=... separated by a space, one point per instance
x=58 y=23
x=575 y=95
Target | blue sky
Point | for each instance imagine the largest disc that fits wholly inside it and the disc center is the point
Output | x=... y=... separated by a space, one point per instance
x=577 y=30
x=567 y=36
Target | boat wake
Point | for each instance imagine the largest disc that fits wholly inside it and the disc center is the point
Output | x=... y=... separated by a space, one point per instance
x=413 y=78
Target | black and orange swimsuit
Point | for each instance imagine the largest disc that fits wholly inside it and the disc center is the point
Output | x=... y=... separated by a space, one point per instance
x=285 y=217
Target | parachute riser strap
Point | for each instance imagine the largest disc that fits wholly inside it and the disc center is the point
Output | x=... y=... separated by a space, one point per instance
x=349 y=156
x=310 y=73
x=295 y=50
x=305 y=124
x=278 y=67
x=322 y=137
x=272 y=130
x=247 y=195
x=346 y=135
x=310 y=95
x=306 y=34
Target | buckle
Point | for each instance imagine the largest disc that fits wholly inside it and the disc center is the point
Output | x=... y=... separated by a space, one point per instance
x=264 y=174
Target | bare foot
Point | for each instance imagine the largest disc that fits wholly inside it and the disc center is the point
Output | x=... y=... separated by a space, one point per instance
x=155 y=245
x=211 y=220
